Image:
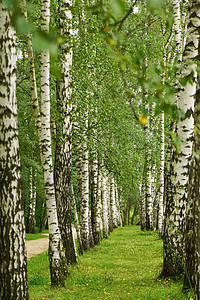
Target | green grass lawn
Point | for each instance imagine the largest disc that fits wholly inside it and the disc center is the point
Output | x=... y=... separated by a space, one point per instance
x=125 y=266
x=30 y=236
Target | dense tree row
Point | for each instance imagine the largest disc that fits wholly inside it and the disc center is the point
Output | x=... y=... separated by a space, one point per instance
x=107 y=97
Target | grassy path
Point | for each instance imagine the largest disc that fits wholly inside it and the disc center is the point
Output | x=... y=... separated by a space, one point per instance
x=123 y=267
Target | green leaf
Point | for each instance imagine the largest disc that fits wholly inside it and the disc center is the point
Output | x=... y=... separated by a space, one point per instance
x=22 y=25
x=118 y=8
x=8 y=3
x=196 y=155
x=183 y=81
x=180 y=113
x=155 y=6
x=177 y=144
x=144 y=111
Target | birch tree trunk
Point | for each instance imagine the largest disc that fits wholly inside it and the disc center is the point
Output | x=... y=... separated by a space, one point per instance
x=177 y=27
x=177 y=186
x=85 y=198
x=77 y=225
x=34 y=96
x=149 y=200
x=113 y=203
x=56 y=251
x=105 y=205
x=108 y=195
x=142 y=205
x=95 y=199
x=192 y=260
x=63 y=148
x=161 y=176
x=13 y=260
x=162 y=147
x=82 y=169
x=33 y=83
x=32 y=203
x=118 y=205
x=192 y=235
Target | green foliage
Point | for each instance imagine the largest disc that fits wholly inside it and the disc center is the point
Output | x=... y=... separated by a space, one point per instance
x=126 y=266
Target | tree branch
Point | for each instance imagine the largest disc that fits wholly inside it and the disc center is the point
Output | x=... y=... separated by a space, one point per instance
x=127 y=15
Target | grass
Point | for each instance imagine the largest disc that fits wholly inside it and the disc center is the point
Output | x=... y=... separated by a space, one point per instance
x=125 y=266
x=30 y=236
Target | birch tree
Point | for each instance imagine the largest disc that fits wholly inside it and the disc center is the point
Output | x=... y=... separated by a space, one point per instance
x=82 y=170
x=13 y=264
x=113 y=203
x=192 y=247
x=56 y=251
x=32 y=204
x=76 y=220
x=178 y=28
x=63 y=148
x=177 y=187
x=104 y=205
x=95 y=201
x=142 y=205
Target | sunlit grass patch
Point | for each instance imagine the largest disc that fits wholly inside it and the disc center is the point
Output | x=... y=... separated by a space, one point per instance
x=125 y=266
x=31 y=236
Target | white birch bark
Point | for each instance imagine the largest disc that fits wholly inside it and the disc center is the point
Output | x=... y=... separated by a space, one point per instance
x=104 y=205
x=108 y=194
x=142 y=205
x=33 y=83
x=161 y=176
x=184 y=22
x=148 y=196
x=95 y=201
x=162 y=150
x=56 y=251
x=32 y=204
x=63 y=147
x=82 y=169
x=119 y=209
x=177 y=191
x=177 y=27
x=13 y=259
x=113 y=203
x=76 y=220
x=85 y=198
x=99 y=205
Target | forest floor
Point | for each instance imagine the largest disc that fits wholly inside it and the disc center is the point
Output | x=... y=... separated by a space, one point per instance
x=125 y=266
x=38 y=243
x=35 y=247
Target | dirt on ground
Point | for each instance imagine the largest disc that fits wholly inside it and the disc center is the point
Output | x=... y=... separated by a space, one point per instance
x=38 y=246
